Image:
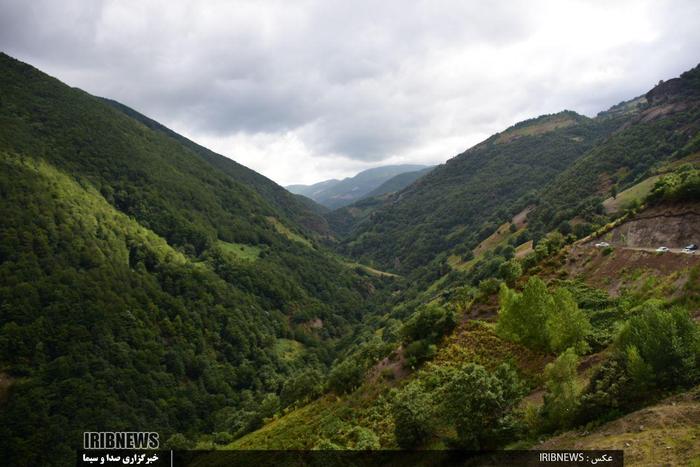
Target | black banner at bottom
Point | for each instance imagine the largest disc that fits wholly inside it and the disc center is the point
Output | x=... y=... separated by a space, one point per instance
x=397 y=458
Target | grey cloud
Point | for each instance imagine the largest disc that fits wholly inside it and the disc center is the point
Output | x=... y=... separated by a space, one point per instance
x=362 y=81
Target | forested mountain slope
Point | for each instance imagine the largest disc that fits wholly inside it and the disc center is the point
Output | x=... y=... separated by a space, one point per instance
x=300 y=210
x=665 y=127
x=563 y=165
x=147 y=283
x=461 y=202
x=398 y=182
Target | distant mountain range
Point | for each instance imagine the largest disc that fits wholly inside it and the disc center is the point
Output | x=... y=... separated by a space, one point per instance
x=372 y=182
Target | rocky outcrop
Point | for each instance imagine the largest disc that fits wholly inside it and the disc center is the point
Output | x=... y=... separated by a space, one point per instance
x=673 y=226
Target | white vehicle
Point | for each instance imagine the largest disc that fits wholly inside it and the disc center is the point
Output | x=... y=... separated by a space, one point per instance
x=662 y=249
x=602 y=245
x=688 y=251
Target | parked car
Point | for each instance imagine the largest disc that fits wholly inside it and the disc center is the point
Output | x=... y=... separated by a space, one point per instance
x=691 y=247
x=688 y=251
x=602 y=245
x=662 y=249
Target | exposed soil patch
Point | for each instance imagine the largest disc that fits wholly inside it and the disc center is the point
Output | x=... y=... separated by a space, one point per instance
x=391 y=368
x=614 y=271
x=673 y=226
x=520 y=219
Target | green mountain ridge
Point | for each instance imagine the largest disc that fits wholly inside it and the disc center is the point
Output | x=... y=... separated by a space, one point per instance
x=335 y=194
x=565 y=164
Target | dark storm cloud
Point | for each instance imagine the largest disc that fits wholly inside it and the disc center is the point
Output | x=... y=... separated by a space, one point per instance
x=305 y=90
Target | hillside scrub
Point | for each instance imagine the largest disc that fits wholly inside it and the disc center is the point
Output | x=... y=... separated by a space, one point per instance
x=656 y=350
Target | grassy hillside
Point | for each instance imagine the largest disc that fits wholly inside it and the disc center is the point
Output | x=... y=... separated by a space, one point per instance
x=146 y=283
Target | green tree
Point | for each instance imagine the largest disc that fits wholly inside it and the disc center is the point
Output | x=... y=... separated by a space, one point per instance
x=412 y=411
x=523 y=317
x=510 y=271
x=430 y=322
x=305 y=385
x=561 y=399
x=667 y=342
x=346 y=376
x=568 y=325
x=480 y=405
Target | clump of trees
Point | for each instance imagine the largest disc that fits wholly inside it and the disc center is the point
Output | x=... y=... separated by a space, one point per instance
x=655 y=350
x=680 y=185
x=542 y=320
x=424 y=329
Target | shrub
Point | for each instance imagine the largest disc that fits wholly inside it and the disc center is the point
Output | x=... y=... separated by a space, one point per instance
x=510 y=271
x=489 y=286
x=364 y=438
x=223 y=438
x=418 y=351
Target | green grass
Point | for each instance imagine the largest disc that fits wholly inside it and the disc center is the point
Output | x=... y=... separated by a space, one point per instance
x=288 y=350
x=284 y=230
x=637 y=192
x=240 y=250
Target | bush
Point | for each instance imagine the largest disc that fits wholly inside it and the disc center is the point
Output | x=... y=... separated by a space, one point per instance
x=510 y=271
x=489 y=286
x=178 y=441
x=364 y=439
x=418 y=351
x=223 y=438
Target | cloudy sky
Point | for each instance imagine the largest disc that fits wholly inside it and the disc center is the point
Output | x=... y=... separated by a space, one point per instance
x=303 y=91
